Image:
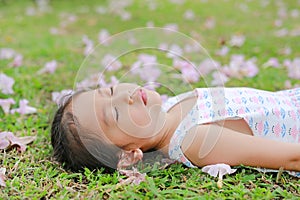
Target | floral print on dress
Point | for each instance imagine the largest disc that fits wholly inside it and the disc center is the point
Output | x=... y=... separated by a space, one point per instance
x=272 y=115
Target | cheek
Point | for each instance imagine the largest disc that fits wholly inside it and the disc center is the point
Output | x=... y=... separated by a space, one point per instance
x=140 y=117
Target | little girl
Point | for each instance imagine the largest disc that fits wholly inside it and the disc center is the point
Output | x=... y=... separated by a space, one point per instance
x=112 y=127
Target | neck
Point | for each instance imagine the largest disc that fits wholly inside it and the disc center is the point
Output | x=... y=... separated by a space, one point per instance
x=162 y=140
x=173 y=118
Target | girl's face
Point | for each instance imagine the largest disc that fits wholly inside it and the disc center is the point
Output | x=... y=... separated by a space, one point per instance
x=126 y=114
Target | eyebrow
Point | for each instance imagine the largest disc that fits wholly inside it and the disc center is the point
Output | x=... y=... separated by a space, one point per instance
x=104 y=116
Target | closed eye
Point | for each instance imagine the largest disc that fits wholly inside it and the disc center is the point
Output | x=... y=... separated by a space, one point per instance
x=117 y=114
x=111 y=91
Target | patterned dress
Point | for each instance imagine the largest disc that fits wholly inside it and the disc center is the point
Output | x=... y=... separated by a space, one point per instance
x=273 y=115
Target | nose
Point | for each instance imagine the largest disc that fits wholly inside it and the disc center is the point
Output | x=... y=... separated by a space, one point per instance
x=125 y=97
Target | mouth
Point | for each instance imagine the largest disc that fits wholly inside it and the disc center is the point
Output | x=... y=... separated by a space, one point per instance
x=143 y=96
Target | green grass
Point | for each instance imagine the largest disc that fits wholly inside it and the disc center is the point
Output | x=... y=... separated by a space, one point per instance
x=35 y=175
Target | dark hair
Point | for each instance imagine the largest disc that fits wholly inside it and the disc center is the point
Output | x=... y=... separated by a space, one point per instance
x=70 y=142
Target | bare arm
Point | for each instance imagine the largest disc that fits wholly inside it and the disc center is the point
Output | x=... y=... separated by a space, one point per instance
x=211 y=144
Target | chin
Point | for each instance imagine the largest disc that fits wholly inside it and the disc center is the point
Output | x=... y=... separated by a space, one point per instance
x=155 y=96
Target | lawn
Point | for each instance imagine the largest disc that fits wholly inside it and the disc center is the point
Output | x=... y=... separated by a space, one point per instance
x=52 y=39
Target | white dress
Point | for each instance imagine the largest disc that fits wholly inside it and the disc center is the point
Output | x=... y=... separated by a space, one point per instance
x=272 y=115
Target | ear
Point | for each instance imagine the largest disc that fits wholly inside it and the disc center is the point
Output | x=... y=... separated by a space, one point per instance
x=128 y=158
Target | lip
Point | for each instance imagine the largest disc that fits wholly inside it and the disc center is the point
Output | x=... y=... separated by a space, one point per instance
x=143 y=96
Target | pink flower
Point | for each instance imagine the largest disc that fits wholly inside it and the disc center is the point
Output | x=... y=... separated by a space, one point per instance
x=7 y=53
x=150 y=24
x=295 y=13
x=295 y=32
x=151 y=85
x=113 y=81
x=219 y=78
x=278 y=23
x=146 y=68
x=101 y=10
x=208 y=65
x=239 y=67
x=118 y=8
x=293 y=68
x=189 y=15
x=223 y=51
x=5 y=104
x=147 y=59
x=179 y=64
x=285 y=51
x=171 y=26
x=210 y=23
x=6 y=84
x=133 y=176
x=272 y=62
x=125 y=15
x=2 y=177
x=163 y=46
x=18 y=60
x=88 y=44
x=281 y=32
x=111 y=63
x=190 y=74
x=250 y=69
x=103 y=37
x=7 y=140
x=174 y=51
x=218 y=170
x=189 y=48
x=237 y=40
x=89 y=82
x=59 y=97
x=24 y=108
x=49 y=67
x=149 y=73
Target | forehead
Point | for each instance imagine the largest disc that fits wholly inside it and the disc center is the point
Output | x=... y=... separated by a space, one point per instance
x=86 y=108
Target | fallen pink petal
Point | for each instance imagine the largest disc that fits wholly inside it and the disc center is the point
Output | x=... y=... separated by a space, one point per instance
x=239 y=67
x=174 y=51
x=207 y=66
x=60 y=97
x=24 y=108
x=272 y=62
x=7 y=53
x=88 y=45
x=2 y=176
x=103 y=37
x=293 y=67
x=18 y=61
x=223 y=51
x=9 y=140
x=218 y=170
x=237 y=40
x=210 y=23
x=190 y=74
x=189 y=15
x=49 y=67
x=149 y=73
x=133 y=176
x=171 y=26
x=6 y=84
x=5 y=104
x=111 y=63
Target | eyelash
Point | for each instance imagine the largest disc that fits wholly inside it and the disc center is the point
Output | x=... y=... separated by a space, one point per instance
x=117 y=112
x=111 y=91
